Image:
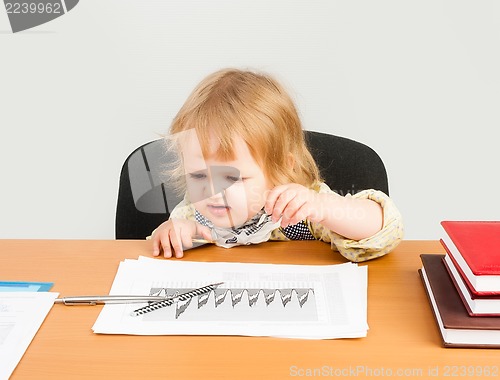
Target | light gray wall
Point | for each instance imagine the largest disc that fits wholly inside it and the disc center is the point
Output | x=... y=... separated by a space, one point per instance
x=416 y=80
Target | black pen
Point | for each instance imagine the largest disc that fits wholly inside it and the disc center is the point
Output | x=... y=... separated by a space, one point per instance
x=173 y=300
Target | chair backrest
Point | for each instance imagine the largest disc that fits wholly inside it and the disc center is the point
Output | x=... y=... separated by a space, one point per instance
x=145 y=198
x=347 y=166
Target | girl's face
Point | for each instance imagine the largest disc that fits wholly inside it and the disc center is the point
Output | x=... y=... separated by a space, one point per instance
x=228 y=193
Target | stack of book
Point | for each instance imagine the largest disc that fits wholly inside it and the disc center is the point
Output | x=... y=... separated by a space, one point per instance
x=463 y=286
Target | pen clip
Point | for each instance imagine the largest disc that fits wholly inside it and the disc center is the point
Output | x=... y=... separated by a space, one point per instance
x=77 y=303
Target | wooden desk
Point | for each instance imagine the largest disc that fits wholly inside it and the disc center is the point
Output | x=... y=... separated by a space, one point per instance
x=403 y=340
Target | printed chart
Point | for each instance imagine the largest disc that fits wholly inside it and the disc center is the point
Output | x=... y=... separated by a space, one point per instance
x=242 y=303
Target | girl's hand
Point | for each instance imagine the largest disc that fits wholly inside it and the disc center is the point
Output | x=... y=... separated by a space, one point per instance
x=293 y=203
x=177 y=234
x=349 y=217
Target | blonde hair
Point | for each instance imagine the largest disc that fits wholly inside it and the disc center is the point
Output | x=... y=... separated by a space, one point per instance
x=255 y=107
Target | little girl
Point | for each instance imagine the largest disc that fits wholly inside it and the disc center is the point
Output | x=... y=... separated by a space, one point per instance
x=248 y=177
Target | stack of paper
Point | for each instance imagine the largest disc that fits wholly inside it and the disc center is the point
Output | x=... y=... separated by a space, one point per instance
x=21 y=315
x=294 y=301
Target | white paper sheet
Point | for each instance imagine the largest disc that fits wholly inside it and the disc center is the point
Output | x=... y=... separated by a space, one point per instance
x=295 y=301
x=21 y=315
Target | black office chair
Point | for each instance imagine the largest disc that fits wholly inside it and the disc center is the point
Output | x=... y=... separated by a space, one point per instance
x=145 y=198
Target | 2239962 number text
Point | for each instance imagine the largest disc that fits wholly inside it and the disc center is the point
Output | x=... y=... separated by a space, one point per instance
x=470 y=371
x=25 y=8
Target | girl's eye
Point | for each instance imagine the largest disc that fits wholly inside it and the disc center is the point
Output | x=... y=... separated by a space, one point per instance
x=197 y=175
x=234 y=178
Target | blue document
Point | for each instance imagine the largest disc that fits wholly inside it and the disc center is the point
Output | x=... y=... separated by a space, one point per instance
x=14 y=286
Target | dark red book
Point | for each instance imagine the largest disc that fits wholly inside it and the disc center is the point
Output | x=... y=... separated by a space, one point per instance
x=474 y=247
x=476 y=305
x=457 y=327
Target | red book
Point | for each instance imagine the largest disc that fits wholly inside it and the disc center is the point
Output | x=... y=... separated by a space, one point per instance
x=477 y=305
x=474 y=247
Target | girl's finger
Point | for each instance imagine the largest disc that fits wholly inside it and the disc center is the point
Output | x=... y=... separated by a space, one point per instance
x=282 y=203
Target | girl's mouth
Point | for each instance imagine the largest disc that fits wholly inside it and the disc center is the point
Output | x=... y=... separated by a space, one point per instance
x=218 y=210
